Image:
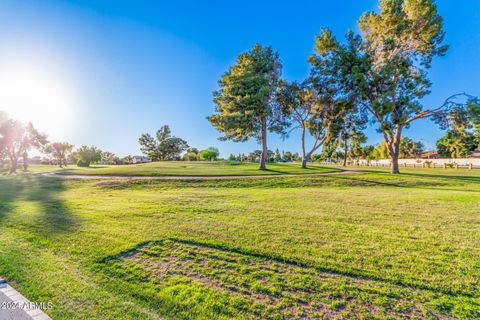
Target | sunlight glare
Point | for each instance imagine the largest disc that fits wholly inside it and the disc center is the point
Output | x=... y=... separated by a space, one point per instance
x=37 y=96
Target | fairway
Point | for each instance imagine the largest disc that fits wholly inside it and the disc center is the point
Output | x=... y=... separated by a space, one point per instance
x=194 y=168
x=362 y=246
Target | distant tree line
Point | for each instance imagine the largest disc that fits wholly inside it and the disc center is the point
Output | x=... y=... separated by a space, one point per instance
x=167 y=147
x=337 y=152
x=17 y=140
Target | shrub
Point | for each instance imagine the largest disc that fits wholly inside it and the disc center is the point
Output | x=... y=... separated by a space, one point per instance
x=209 y=154
x=83 y=164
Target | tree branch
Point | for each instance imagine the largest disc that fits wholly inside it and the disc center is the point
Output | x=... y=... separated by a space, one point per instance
x=447 y=103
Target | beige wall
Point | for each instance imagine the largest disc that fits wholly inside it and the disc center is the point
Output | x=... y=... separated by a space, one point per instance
x=464 y=161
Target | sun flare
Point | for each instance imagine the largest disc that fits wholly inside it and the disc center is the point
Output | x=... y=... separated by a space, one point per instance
x=37 y=96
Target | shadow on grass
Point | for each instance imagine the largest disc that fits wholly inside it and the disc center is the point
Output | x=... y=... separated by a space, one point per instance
x=65 y=171
x=54 y=215
x=247 y=256
x=468 y=179
x=307 y=170
x=271 y=170
x=429 y=181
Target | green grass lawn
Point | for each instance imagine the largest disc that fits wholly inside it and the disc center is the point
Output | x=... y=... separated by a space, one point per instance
x=367 y=245
x=200 y=168
x=35 y=168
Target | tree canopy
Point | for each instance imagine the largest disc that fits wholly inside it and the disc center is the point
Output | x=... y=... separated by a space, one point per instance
x=408 y=149
x=386 y=66
x=88 y=155
x=59 y=151
x=463 y=135
x=164 y=147
x=17 y=139
x=245 y=105
x=210 y=154
x=311 y=109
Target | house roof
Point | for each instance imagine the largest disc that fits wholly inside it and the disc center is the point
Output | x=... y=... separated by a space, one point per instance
x=475 y=154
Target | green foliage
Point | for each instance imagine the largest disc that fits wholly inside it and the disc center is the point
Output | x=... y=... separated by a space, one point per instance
x=463 y=135
x=366 y=152
x=393 y=53
x=408 y=148
x=277 y=157
x=296 y=157
x=351 y=137
x=246 y=94
x=109 y=158
x=404 y=30
x=17 y=139
x=88 y=155
x=209 y=154
x=128 y=159
x=317 y=157
x=59 y=152
x=82 y=164
x=312 y=107
x=254 y=155
x=457 y=144
x=270 y=156
x=164 y=147
x=190 y=156
x=328 y=153
x=245 y=104
x=357 y=138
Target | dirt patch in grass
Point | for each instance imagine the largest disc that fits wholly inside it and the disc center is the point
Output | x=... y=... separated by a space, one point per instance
x=260 y=287
x=111 y=184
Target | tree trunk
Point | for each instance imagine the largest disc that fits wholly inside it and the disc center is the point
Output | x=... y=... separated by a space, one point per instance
x=25 y=161
x=394 y=167
x=304 y=156
x=345 y=154
x=304 y=162
x=264 y=155
x=394 y=150
x=13 y=165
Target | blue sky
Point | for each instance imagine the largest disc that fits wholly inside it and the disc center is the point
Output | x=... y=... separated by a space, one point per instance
x=116 y=69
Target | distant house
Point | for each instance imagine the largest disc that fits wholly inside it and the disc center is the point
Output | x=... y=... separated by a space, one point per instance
x=141 y=159
x=474 y=154
x=430 y=155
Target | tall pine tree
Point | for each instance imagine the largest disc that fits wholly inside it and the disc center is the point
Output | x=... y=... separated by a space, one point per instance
x=245 y=102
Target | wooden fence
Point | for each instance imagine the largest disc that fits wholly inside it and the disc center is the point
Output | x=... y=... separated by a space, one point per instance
x=445 y=165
